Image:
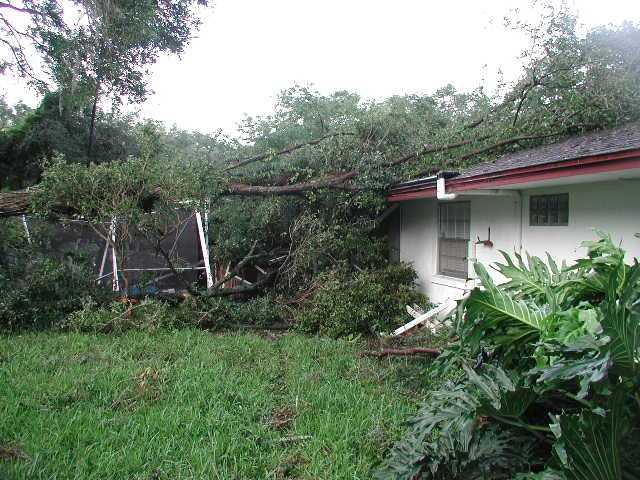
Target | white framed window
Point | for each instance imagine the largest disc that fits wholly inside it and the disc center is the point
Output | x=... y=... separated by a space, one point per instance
x=453 y=239
x=549 y=210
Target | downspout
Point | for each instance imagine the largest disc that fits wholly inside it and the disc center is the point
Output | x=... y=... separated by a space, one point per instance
x=521 y=222
x=441 y=190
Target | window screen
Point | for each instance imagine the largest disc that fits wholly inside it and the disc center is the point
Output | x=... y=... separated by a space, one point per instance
x=454 y=239
x=549 y=210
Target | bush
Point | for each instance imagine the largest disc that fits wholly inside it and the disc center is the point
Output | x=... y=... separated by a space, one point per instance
x=372 y=302
x=37 y=289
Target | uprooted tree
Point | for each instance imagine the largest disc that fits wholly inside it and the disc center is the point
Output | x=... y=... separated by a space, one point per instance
x=304 y=190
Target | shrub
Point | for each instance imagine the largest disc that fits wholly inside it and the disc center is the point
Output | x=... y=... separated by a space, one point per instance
x=372 y=302
x=38 y=289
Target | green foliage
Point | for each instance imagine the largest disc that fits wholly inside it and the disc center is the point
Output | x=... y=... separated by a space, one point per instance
x=220 y=312
x=151 y=315
x=44 y=292
x=117 y=317
x=38 y=290
x=371 y=302
x=551 y=358
x=58 y=126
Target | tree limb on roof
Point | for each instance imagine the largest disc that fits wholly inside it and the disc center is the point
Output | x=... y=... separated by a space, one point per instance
x=256 y=158
x=333 y=181
x=434 y=149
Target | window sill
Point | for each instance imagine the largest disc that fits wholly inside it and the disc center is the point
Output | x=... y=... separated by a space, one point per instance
x=453 y=282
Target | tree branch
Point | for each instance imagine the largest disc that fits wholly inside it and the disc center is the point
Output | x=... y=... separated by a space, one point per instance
x=30 y=11
x=333 y=181
x=405 y=352
x=237 y=268
x=13 y=204
x=256 y=158
x=240 y=290
x=510 y=141
x=431 y=149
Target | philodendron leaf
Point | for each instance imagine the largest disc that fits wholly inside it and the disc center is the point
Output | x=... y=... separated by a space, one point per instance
x=547 y=474
x=494 y=311
x=590 y=444
x=587 y=370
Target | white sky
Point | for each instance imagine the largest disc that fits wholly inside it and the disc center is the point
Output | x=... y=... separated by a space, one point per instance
x=249 y=50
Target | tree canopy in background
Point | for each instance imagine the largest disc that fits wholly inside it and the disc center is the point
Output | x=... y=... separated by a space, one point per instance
x=95 y=49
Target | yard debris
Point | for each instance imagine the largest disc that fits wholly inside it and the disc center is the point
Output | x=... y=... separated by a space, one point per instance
x=8 y=453
x=146 y=386
x=294 y=438
x=400 y=352
x=281 y=418
x=431 y=319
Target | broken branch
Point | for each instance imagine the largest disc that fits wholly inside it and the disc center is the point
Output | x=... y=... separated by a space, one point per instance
x=232 y=273
x=431 y=149
x=397 y=352
x=256 y=158
x=333 y=181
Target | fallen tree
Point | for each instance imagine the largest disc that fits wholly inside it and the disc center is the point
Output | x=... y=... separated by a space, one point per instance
x=307 y=183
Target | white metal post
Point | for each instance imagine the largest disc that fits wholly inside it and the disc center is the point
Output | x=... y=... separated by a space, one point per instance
x=205 y=250
x=26 y=229
x=104 y=260
x=114 y=258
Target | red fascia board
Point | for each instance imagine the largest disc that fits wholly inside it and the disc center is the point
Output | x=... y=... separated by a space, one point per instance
x=568 y=168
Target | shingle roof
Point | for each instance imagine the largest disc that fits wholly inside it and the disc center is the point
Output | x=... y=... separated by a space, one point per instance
x=626 y=137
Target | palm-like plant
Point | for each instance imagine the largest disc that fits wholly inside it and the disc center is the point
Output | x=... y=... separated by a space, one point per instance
x=549 y=363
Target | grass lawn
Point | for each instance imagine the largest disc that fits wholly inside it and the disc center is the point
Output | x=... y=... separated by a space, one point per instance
x=190 y=404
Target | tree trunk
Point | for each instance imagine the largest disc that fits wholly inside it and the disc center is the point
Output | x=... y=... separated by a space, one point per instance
x=92 y=126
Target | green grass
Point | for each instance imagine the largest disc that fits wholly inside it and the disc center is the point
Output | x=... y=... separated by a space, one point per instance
x=189 y=404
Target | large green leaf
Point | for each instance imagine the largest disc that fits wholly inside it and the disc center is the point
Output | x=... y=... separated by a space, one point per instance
x=510 y=321
x=621 y=320
x=588 y=370
x=447 y=439
x=529 y=281
x=589 y=446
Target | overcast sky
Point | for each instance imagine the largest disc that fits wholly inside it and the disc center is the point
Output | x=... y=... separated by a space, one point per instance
x=249 y=50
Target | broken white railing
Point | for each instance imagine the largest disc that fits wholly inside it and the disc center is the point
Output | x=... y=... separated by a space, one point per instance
x=433 y=319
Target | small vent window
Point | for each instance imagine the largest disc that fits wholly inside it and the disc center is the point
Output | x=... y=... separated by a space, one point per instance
x=549 y=210
x=454 y=239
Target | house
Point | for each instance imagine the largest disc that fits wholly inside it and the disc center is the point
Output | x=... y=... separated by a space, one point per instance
x=546 y=199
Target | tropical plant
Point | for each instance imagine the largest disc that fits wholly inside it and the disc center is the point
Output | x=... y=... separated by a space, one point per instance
x=549 y=389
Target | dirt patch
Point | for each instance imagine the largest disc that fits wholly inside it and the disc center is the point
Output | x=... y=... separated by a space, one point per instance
x=145 y=387
x=281 y=418
x=10 y=453
x=290 y=467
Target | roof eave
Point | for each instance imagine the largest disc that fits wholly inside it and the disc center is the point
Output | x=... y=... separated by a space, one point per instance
x=611 y=162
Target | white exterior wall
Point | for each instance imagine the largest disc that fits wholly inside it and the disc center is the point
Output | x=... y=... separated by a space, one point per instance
x=613 y=207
